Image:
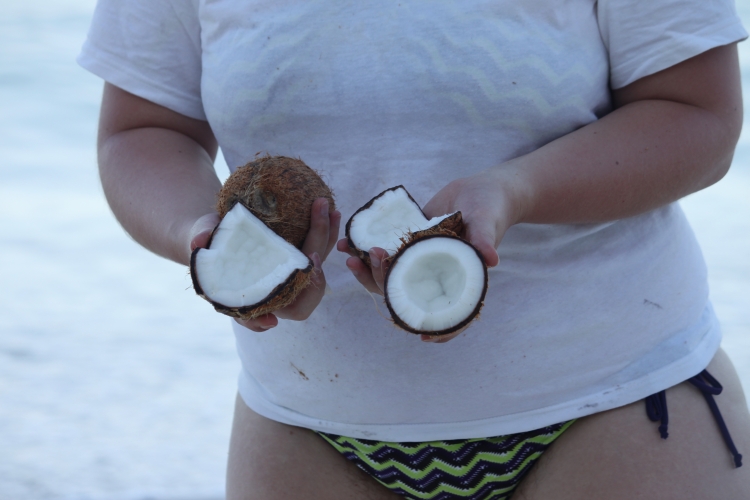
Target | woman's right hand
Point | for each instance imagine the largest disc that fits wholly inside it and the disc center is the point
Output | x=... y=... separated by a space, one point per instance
x=324 y=231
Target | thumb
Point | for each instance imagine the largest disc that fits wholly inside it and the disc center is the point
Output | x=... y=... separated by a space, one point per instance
x=482 y=234
x=201 y=230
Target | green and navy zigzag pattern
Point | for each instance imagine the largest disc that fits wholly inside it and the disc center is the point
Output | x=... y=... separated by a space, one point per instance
x=473 y=469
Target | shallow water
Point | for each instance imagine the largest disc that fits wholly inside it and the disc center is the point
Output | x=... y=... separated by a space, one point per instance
x=116 y=381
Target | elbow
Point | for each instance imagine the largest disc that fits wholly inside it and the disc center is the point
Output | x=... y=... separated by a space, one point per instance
x=728 y=136
x=717 y=173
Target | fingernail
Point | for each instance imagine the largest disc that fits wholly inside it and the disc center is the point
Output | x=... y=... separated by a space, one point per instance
x=351 y=262
x=324 y=208
x=373 y=259
x=316 y=260
x=266 y=327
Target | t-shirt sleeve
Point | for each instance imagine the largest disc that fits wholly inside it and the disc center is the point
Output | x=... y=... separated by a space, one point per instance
x=150 y=48
x=647 y=36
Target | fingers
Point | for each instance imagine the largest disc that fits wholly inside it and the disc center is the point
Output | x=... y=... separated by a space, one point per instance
x=486 y=249
x=201 y=230
x=444 y=201
x=317 y=236
x=310 y=297
x=320 y=240
x=363 y=274
x=379 y=266
x=481 y=232
x=343 y=246
x=259 y=324
x=440 y=339
x=304 y=304
x=373 y=277
x=333 y=232
x=324 y=229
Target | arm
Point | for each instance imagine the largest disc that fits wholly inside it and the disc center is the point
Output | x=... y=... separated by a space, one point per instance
x=671 y=134
x=156 y=168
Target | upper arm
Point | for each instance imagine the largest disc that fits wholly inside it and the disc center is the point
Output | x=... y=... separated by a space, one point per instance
x=122 y=111
x=709 y=81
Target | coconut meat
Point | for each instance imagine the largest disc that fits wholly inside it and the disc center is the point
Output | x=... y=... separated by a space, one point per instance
x=391 y=216
x=246 y=260
x=436 y=284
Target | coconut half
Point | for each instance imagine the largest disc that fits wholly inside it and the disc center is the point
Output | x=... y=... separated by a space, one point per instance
x=248 y=270
x=435 y=284
x=252 y=265
x=388 y=218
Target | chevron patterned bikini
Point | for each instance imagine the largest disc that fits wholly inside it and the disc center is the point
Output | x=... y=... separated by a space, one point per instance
x=471 y=469
x=487 y=468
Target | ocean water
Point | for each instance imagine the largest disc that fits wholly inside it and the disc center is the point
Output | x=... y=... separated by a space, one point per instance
x=116 y=381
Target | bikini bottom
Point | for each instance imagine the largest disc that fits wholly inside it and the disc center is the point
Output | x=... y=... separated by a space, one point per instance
x=484 y=468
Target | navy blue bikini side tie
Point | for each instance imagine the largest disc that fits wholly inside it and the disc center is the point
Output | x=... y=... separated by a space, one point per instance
x=711 y=387
x=656 y=409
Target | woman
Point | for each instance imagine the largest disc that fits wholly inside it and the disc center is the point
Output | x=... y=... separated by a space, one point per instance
x=565 y=130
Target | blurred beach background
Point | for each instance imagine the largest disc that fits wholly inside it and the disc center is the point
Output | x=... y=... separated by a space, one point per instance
x=116 y=381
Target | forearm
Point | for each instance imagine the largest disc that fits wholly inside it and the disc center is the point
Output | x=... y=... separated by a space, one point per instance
x=641 y=156
x=671 y=134
x=156 y=167
x=158 y=182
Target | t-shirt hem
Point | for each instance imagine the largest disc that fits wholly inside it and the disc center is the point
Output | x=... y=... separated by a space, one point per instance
x=614 y=397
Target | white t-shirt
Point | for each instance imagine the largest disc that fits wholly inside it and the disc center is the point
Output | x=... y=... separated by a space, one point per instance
x=578 y=318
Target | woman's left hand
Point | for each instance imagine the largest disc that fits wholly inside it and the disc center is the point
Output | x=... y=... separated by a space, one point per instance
x=485 y=204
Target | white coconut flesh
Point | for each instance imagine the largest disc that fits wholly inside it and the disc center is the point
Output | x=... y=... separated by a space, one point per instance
x=391 y=216
x=246 y=260
x=435 y=284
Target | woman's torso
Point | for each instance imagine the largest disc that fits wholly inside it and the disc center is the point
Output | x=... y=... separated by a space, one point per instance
x=373 y=94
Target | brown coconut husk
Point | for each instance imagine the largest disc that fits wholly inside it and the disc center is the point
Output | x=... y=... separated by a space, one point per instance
x=450 y=226
x=279 y=191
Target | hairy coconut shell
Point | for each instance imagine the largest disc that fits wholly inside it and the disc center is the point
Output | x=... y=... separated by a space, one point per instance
x=451 y=227
x=279 y=191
